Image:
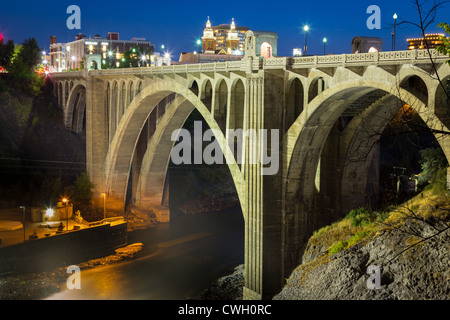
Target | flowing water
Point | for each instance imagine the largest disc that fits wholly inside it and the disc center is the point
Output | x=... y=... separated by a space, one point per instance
x=180 y=260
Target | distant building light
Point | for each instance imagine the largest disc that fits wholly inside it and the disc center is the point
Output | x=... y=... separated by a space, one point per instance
x=297 y=52
x=49 y=213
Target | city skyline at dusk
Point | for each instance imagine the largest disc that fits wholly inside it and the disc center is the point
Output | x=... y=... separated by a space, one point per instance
x=179 y=26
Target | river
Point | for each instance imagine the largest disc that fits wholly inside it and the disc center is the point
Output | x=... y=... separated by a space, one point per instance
x=179 y=261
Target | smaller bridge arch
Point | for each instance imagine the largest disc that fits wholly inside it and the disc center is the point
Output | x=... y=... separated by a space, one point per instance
x=207 y=94
x=75 y=115
x=193 y=86
x=221 y=103
x=316 y=87
x=294 y=100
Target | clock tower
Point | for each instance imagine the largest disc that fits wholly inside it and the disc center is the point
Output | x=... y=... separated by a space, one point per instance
x=208 y=39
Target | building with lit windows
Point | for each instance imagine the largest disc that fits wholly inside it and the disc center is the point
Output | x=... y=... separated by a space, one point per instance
x=69 y=56
x=432 y=41
x=224 y=38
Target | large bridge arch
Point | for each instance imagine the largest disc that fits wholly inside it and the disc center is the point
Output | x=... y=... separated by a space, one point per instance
x=119 y=157
x=304 y=144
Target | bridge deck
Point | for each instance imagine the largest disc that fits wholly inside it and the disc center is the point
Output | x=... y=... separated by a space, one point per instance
x=342 y=60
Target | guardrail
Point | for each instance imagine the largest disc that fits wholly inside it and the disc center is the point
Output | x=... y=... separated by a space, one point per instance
x=107 y=220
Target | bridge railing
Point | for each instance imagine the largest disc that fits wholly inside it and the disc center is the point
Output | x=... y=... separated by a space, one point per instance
x=387 y=56
x=185 y=68
x=274 y=63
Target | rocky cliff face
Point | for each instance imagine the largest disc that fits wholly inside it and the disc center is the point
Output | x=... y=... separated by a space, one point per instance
x=419 y=273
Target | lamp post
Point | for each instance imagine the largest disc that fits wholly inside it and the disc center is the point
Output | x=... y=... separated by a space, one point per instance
x=306 y=28
x=23 y=208
x=324 y=45
x=394 y=33
x=143 y=59
x=67 y=213
x=104 y=205
x=199 y=43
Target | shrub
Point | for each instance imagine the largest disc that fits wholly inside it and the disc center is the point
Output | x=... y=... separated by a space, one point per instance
x=81 y=191
x=337 y=247
x=363 y=217
x=358 y=237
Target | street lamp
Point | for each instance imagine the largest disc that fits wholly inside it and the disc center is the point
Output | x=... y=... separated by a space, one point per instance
x=394 y=33
x=163 y=47
x=199 y=43
x=143 y=59
x=67 y=213
x=306 y=28
x=104 y=205
x=324 y=45
x=23 y=207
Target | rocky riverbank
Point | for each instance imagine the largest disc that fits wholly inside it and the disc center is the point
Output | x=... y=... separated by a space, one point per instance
x=411 y=248
x=226 y=288
x=40 y=285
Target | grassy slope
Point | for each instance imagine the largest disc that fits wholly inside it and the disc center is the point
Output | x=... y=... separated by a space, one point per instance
x=361 y=223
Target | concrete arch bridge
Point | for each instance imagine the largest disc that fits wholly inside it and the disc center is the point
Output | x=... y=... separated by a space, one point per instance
x=327 y=110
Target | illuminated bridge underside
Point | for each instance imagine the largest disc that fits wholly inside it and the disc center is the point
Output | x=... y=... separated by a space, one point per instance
x=128 y=116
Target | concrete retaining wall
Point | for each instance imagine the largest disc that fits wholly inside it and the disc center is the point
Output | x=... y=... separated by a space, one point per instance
x=65 y=249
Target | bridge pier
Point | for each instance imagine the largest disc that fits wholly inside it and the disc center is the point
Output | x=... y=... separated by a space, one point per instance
x=263 y=219
x=97 y=134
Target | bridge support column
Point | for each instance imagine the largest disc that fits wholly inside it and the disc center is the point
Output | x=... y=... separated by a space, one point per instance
x=97 y=143
x=263 y=259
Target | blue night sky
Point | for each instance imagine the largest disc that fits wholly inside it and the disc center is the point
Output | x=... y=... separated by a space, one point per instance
x=177 y=24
